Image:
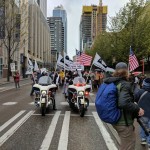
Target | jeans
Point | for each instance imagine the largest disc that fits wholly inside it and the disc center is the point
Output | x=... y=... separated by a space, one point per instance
x=17 y=85
x=65 y=88
x=142 y=133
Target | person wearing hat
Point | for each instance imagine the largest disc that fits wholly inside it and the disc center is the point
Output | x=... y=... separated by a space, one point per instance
x=129 y=110
x=143 y=99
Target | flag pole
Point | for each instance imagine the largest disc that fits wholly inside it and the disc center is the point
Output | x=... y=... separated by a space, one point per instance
x=64 y=63
x=92 y=63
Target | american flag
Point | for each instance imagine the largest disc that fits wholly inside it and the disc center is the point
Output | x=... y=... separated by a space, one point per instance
x=85 y=59
x=133 y=62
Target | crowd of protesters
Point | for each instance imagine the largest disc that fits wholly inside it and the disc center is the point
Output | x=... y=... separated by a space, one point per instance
x=134 y=97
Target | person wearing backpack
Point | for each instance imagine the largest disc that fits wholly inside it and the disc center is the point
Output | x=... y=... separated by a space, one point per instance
x=142 y=97
x=115 y=105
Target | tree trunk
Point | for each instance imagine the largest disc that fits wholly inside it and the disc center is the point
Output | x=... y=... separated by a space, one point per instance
x=8 y=71
x=8 y=60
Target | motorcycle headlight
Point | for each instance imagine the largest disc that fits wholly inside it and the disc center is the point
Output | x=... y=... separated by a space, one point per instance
x=43 y=93
x=81 y=93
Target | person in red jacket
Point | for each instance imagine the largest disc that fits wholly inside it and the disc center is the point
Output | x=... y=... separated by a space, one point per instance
x=17 y=79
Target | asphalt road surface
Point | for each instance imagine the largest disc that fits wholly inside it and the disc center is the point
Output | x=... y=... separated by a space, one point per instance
x=23 y=128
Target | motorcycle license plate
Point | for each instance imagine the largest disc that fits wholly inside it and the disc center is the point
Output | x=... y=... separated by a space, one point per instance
x=43 y=100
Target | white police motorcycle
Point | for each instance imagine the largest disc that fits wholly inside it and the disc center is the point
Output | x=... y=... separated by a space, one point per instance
x=45 y=94
x=78 y=94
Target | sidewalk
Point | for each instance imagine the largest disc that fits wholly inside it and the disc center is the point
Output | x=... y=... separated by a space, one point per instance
x=3 y=81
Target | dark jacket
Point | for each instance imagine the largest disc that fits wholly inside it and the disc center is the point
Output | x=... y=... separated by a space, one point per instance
x=125 y=100
x=144 y=103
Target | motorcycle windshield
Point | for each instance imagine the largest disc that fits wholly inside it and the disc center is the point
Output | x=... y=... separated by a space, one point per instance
x=45 y=80
x=79 y=81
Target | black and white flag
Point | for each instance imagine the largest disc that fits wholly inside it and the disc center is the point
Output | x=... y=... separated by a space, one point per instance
x=67 y=60
x=98 y=62
x=61 y=63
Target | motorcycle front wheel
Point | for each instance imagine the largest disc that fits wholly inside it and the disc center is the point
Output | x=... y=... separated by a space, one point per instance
x=43 y=109
x=82 y=110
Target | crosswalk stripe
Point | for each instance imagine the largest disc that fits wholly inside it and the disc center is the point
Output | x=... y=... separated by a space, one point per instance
x=48 y=138
x=9 y=103
x=66 y=103
x=106 y=136
x=72 y=115
x=11 y=120
x=12 y=130
x=32 y=103
x=63 y=141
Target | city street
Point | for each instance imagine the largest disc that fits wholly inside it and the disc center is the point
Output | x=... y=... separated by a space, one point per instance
x=23 y=127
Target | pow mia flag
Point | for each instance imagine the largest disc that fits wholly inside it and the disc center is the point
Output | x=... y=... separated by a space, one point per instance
x=67 y=60
x=60 y=63
x=99 y=62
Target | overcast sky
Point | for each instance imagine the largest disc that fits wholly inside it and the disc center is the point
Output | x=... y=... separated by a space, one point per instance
x=74 y=10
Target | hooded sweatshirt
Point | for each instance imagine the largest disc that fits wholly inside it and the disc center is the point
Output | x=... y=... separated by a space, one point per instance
x=125 y=100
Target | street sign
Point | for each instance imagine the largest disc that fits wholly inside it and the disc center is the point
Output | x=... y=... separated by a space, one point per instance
x=12 y=66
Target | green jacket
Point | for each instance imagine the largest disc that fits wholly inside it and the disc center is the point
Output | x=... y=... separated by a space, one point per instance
x=125 y=100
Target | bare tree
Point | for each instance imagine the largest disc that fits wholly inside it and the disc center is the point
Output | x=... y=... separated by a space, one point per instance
x=9 y=29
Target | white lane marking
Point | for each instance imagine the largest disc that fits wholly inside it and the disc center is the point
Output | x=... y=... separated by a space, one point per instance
x=32 y=103
x=63 y=141
x=48 y=138
x=14 y=87
x=12 y=130
x=11 y=120
x=40 y=114
x=9 y=103
x=106 y=136
x=66 y=103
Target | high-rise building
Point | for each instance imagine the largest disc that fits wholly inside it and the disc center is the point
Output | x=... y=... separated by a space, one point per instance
x=85 y=25
x=57 y=37
x=59 y=11
x=35 y=39
x=43 y=6
x=93 y=22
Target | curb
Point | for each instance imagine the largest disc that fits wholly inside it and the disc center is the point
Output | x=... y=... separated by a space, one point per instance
x=114 y=132
x=5 y=83
x=13 y=88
